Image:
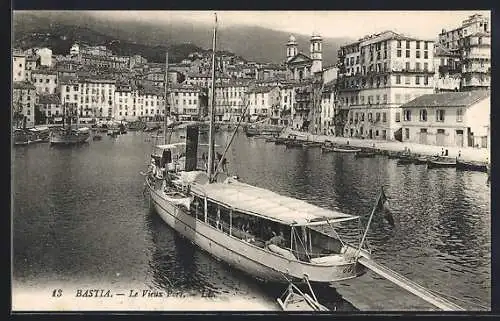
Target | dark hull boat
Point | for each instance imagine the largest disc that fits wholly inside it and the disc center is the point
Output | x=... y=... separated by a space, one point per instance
x=441 y=163
x=422 y=160
x=21 y=137
x=294 y=144
x=472 y=166
x=406 y=160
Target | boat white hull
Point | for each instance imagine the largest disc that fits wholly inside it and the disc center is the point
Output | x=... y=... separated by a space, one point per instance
x=258 y=262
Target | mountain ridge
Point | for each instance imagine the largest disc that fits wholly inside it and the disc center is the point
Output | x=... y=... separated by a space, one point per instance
x=253 y=43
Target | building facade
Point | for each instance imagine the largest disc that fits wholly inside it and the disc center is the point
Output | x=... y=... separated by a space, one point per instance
x=24 y=100
x=448 y=119
x=97 y=98
x=392 y=70
x=18 y=66
x=263 y=102
x=472 y=41
x=50 y=106
x=45 y=81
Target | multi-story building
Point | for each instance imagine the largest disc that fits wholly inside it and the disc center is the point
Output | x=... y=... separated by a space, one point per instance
x=393 y=69
x=472 y=40
x=45 y=81
x=137 y=60
x=302 y=105
x=24 y=100
x=50 y=106
x=448 y=119
x=70 y=96
x=18 y=66
x=230 y=99
x=448 y=73
x=327 y=125
x=32 y=63
x=101 y=61
x=97 y=98
x=186 y=101
x=287 y=96
x=263 y=102
x=204 y=80
x=476 y=60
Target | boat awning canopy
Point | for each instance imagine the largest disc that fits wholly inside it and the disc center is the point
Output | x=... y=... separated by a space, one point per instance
x=269 y=205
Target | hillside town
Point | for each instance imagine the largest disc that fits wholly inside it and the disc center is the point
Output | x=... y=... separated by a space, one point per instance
x=385 y=86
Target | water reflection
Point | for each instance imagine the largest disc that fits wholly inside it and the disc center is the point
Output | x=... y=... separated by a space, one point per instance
x=79 y=213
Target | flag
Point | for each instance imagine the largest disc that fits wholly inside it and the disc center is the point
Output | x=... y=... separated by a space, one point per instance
x=383 y=207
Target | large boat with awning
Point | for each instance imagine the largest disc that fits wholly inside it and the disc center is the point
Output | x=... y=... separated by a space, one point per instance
x=267 y=235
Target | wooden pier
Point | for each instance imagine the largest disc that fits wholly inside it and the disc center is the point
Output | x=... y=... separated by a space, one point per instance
x=409 y=285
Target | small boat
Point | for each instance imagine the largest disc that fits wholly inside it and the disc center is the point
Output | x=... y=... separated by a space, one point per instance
x=365 y=154
x=40 y=134
x=113 y=132
x=280 y=141
x=97 y=137
x=21 y=137
x=271 y=140
x=441 y=162
x=406 y=160
x=394 y=155
x=346 y=150
x=313 y=144
x=294 y=143
x=420 y=160
x=472 y=166
x=296 y=300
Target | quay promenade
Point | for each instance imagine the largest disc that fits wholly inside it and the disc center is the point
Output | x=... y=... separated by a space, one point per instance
x=467 y=153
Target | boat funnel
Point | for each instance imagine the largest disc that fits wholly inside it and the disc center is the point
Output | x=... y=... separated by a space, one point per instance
x=192 y=132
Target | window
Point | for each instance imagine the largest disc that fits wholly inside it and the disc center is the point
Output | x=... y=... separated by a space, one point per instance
x=417 y=80
x=426 y=45
x=407 y=133
x=426 y=66
x=398 y=117
x=460 y=115
x=398 y=79
x=398 y=53
x=418 y=44
x=417 y=66
x=384 y=117
x=407 y=45
x=399 y=44
x=426 y=80
x=407 y=80
x=385 y=98
x=440 y=115
x=407 y=66
x=417 y=54
x=407 y=115
x=423 y=115
x=407 y=53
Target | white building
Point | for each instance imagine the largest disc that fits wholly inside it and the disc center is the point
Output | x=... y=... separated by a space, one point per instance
x=18 y=66
x=393 y=69
x=75 y=50
x=97 y=98
x=230 y=100
x=263 y=101
x=50 y=105
x=327 y=109
x=45 y=56
x=185 y=101
x=45 y=81
x=448 y=119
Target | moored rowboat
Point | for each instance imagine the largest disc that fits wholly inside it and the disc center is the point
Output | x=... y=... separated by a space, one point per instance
x=471 y=166
x=441 y=162
x=346 y=150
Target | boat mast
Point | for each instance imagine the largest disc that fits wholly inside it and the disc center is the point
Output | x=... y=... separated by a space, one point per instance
x=166 y=139
x=211 y=111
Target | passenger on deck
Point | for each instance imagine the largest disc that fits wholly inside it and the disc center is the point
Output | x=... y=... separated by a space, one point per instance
x=277 y=240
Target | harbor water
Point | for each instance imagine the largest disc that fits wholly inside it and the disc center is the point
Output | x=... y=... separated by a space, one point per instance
x=80 y=218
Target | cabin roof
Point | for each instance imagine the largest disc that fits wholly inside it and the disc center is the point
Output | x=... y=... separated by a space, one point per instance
x=264 y=203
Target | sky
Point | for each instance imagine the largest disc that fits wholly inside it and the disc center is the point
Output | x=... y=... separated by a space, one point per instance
x=351 y=24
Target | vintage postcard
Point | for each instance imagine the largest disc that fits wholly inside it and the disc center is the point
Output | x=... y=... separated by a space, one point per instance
x=251 y=161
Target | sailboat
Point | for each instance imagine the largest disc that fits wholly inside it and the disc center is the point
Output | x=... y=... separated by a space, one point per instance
x=266 y=235
x=66 y=135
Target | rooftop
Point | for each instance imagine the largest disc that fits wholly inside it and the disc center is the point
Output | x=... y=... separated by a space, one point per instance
x=451 y=99
x=23 y=85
